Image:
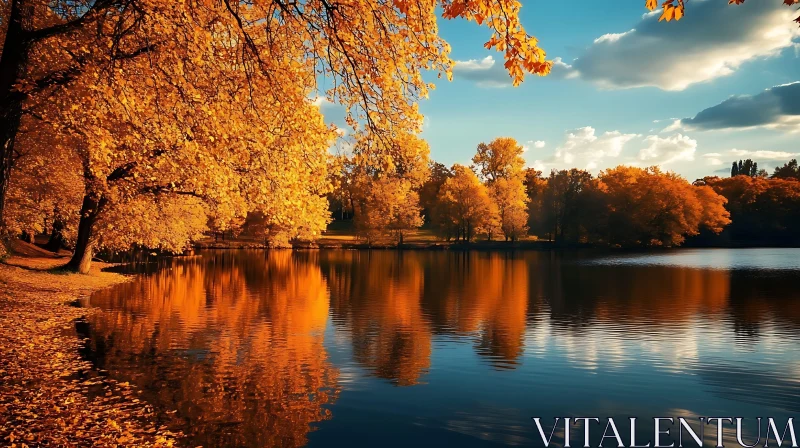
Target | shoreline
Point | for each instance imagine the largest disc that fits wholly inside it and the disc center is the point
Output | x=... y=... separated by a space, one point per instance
x=498 y=246
x=49 y=394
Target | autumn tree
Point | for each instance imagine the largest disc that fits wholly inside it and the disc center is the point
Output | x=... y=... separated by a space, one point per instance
x=501 y=158
x=763 y=211
x=511 y=201
x=466 y=207
x=500 y=164
x=648 y=207
x=390 y=208
x=39 y=203
x=362 y=47
x=429 y=191
x=384 y=189
x=198 y=139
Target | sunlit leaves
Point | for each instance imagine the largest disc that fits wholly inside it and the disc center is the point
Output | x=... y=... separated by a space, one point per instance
x=522 y=52
x=210 y=102
x=466 y=209
x=675 y=9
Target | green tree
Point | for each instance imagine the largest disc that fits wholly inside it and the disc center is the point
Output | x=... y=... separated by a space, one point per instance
x=789 y=170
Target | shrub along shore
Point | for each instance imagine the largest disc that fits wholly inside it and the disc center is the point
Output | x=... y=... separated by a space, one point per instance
x=49 y=395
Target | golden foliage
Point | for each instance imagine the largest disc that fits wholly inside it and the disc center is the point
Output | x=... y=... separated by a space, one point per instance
x=501 y=158
x=47 y=183
x=675 y=9
x=388 y=207
x=45 y=399
x=512 y=206
x=214 y=99
x=648 y=207
x=500 y=163
x=466 y=208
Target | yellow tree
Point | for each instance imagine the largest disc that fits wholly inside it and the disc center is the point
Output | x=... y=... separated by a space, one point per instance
x=501 y=158
x=466 y=206
x=39 y=203
x=512 y=206
x=500 y=163
x=373 y=53
x=382 y=177
x=388 y=207
x=192 y=134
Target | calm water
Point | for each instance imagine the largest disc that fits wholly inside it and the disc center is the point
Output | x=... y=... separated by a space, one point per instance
x=358 y=348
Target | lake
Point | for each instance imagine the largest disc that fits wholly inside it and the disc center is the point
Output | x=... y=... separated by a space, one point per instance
x=426 y=348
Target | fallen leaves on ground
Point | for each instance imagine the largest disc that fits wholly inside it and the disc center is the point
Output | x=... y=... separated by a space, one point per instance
x=49 y=395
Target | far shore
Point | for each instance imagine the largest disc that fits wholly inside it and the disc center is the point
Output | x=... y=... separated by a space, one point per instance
x=425 y=240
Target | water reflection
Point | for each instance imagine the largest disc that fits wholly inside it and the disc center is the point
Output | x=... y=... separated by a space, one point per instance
x=233 y=343
x=253 y=348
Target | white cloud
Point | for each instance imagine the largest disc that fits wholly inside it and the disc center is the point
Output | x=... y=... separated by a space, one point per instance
x=538 y=144
x=320 y=101
x=713 y=158
x=489 y=73
x=664 y=151
x=485 y=72
x=775 y=108
x=712 y=40
x=562 y=70
x=583 y=148
x=770 y=155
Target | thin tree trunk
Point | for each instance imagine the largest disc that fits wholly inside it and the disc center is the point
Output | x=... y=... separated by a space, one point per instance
x=12 y=63
x=81 y=259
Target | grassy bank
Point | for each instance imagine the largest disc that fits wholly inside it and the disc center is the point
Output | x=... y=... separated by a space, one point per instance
x=50 y=396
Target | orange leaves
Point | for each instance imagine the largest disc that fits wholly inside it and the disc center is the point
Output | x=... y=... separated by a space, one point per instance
x=675 y=9
x=522 y=53
x=650 y=207
x=671 y=10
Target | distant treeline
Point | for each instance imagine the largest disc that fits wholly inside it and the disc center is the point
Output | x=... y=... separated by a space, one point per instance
x=497 y=198
x=764 y=209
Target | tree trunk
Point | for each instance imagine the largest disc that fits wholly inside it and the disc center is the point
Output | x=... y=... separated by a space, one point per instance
x=81 y=259
x=12 y=63
x=56 y=241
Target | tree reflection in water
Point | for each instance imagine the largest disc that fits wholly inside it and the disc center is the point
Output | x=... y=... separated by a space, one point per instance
x=230 y=346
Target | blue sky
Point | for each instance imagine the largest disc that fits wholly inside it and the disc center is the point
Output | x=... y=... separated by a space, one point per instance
x=616 y=100
x=720 y=85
